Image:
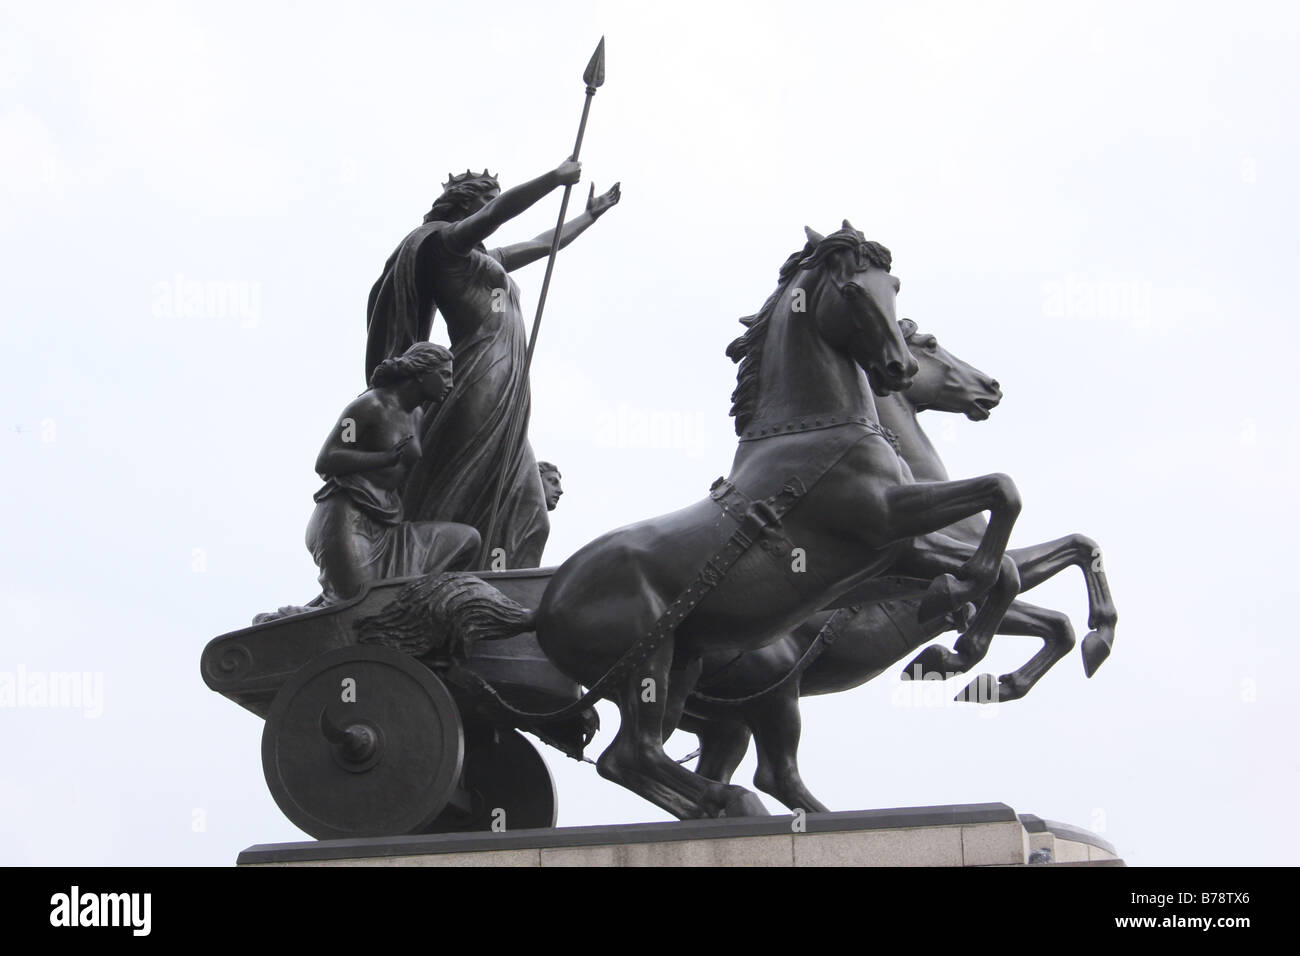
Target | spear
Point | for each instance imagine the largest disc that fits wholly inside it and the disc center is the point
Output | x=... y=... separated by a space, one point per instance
x=594 y=77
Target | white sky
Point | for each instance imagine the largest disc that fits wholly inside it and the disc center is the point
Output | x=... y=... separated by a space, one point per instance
x=1024 y=163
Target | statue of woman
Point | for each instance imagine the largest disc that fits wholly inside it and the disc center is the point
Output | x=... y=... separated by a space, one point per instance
x=358 y=532
x=444 y=266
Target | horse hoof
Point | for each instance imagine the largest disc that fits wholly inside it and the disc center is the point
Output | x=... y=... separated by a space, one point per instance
x=935 y=661
x=939 y=600
x=1095 y=651
x=1010 y=687
x=744 y=803
x=984 y=689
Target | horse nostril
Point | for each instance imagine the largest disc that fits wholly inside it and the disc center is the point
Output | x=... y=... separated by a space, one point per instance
x=895 y=370
x=993 y=384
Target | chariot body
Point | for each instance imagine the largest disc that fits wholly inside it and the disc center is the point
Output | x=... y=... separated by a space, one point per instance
x=363 y=740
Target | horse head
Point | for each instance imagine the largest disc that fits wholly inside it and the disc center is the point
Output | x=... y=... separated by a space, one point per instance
x=824 y=340
x=944 y=382
x=856 y=313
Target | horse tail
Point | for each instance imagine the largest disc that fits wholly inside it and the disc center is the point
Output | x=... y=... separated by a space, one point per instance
x=445 y=613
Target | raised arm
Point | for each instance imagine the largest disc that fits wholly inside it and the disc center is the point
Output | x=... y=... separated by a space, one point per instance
x=522 y=253
x=461 y=237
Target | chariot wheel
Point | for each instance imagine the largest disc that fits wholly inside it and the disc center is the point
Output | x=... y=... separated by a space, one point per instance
x=508 y=783
x=362 y=742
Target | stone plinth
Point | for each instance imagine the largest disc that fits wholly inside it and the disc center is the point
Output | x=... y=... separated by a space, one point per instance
x=982 y=834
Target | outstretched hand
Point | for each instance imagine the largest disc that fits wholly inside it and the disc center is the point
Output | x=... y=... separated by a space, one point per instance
x=599 y=205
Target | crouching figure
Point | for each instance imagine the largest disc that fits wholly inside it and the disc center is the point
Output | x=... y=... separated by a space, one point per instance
x=357 y=533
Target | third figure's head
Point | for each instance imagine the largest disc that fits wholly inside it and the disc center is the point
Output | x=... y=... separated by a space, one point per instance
x=550 y=483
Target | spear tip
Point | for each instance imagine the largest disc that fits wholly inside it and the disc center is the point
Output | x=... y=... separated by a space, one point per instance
x=594 y=75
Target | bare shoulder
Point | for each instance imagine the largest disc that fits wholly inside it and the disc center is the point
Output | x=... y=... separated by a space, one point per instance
x=370 y=423
x=366 y=407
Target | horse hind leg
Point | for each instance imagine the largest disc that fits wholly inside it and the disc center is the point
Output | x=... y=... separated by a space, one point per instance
x=636 y=758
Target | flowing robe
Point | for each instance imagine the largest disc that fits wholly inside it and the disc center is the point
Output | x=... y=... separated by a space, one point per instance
x=356 y=535
x=467 y=444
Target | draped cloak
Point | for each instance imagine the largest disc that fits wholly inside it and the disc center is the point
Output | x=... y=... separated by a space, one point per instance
x=466 y=444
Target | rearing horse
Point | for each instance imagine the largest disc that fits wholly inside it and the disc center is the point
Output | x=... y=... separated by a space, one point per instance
x=816 y=503
x=758 y=691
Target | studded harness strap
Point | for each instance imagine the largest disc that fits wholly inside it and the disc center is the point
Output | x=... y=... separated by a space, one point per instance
x=756 y=519
x=812 y=423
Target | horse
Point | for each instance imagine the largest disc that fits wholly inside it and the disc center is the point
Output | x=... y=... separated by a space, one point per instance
x=817 y=503
x=767 y=683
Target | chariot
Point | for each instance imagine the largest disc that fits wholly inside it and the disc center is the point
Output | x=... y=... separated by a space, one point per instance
x=363 y=740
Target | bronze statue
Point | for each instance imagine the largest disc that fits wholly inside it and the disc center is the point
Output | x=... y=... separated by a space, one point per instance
x=835 y=546
x=481 y=430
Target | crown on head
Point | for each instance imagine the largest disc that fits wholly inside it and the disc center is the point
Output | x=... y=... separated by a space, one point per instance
x=466 y=176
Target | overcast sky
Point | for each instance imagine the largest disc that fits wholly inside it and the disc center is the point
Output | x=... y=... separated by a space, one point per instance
x=1095 y=203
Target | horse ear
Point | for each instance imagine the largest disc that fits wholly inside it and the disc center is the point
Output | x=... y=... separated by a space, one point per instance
x=812 y=234
x=907 y=327
x=848 y=225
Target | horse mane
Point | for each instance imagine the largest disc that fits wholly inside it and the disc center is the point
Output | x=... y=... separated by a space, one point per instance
x=748 y=348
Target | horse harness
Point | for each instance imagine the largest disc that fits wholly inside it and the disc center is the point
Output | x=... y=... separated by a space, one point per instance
x=816 y=422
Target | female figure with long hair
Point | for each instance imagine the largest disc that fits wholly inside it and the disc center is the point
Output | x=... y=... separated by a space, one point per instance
x=358 y=532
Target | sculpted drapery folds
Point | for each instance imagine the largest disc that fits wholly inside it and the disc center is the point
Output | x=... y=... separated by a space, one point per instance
x=480 y=432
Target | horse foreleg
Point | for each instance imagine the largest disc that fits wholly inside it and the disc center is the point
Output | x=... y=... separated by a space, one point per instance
x=637 y=761
x=776 y=724
x=1040 y=562
x=1102 y=616
x=938 y=554
x=926 y=507
x=682 y=679
x=723 y=744
x=1028 y=620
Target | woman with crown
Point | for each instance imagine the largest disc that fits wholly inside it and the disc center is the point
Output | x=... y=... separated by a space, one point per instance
x=443 y=266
